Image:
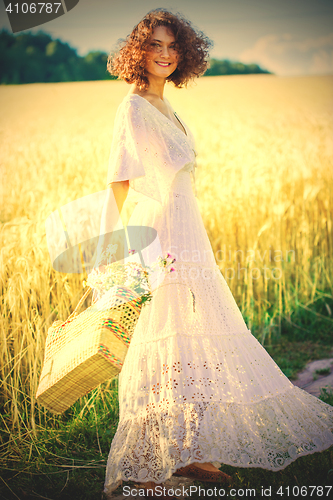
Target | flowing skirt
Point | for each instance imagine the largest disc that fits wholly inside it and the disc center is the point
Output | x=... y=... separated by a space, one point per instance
x=196 y=385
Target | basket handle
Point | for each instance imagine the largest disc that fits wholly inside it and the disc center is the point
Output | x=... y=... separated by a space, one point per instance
x=83 y=298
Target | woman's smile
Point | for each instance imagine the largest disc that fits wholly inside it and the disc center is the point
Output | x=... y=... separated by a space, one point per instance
x=163 y=64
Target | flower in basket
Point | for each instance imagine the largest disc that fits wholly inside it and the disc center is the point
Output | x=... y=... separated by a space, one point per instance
x=131 y=275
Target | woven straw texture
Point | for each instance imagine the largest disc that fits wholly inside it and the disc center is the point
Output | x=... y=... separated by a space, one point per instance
x=88 y=348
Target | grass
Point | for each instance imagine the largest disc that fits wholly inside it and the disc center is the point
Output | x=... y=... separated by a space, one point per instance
x=264 y=182
x=323 y=371
x=326 y=395
x=292 y=357
x=66 y=457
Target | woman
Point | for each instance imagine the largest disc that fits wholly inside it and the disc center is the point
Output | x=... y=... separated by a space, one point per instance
x=196 y=386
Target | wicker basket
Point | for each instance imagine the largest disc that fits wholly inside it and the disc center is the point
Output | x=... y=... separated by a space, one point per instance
x=88 y=348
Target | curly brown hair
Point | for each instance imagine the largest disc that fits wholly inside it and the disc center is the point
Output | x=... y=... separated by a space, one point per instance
x=193 y=46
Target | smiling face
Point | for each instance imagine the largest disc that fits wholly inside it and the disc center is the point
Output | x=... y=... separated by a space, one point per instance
x=162 y=56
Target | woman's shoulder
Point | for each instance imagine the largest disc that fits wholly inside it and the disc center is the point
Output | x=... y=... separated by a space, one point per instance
x=145 y=103
x=134 y=107
x=128 y=103
x=141 y=112
x=132 y=101
x=151 y=101
x=130 y=111
x=141 y=98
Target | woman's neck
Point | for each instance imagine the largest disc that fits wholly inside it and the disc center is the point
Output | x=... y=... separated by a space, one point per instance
x=156 y=87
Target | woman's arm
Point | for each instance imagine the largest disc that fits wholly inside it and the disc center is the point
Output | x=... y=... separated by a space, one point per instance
x=110 y=216
x=120 y=191
x=117 y=192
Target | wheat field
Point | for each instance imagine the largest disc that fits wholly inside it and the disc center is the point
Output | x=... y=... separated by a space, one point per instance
x=264 y=183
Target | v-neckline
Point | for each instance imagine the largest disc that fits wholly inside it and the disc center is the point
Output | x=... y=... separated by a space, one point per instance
x=160 y=112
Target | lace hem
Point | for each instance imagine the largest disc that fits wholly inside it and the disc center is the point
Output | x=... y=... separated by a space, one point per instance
x=269 y=434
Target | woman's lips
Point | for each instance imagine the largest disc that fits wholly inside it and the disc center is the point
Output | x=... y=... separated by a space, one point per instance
x=163 y=65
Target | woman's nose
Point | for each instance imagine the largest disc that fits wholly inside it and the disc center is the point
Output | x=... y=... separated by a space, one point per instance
x=165 y=52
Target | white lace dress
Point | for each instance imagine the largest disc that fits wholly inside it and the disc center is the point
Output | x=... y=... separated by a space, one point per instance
x=196 y=385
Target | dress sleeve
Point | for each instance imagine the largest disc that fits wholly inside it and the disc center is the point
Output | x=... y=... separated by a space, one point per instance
x=126 y=161
x=147 y=149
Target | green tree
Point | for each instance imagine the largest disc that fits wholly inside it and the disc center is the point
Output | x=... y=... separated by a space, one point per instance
x=227 y=67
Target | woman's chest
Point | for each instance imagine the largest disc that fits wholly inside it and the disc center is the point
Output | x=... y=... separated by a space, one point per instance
x=164 y=108
x=166 y=137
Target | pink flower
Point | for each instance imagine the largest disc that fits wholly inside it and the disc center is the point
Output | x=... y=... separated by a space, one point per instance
x=172 y=269
x=169 y=255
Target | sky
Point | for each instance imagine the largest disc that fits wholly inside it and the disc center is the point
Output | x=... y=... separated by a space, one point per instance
x=287 y=37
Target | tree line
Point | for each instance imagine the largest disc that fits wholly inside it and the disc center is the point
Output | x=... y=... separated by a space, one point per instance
x=227 y=67
x=37 y=57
